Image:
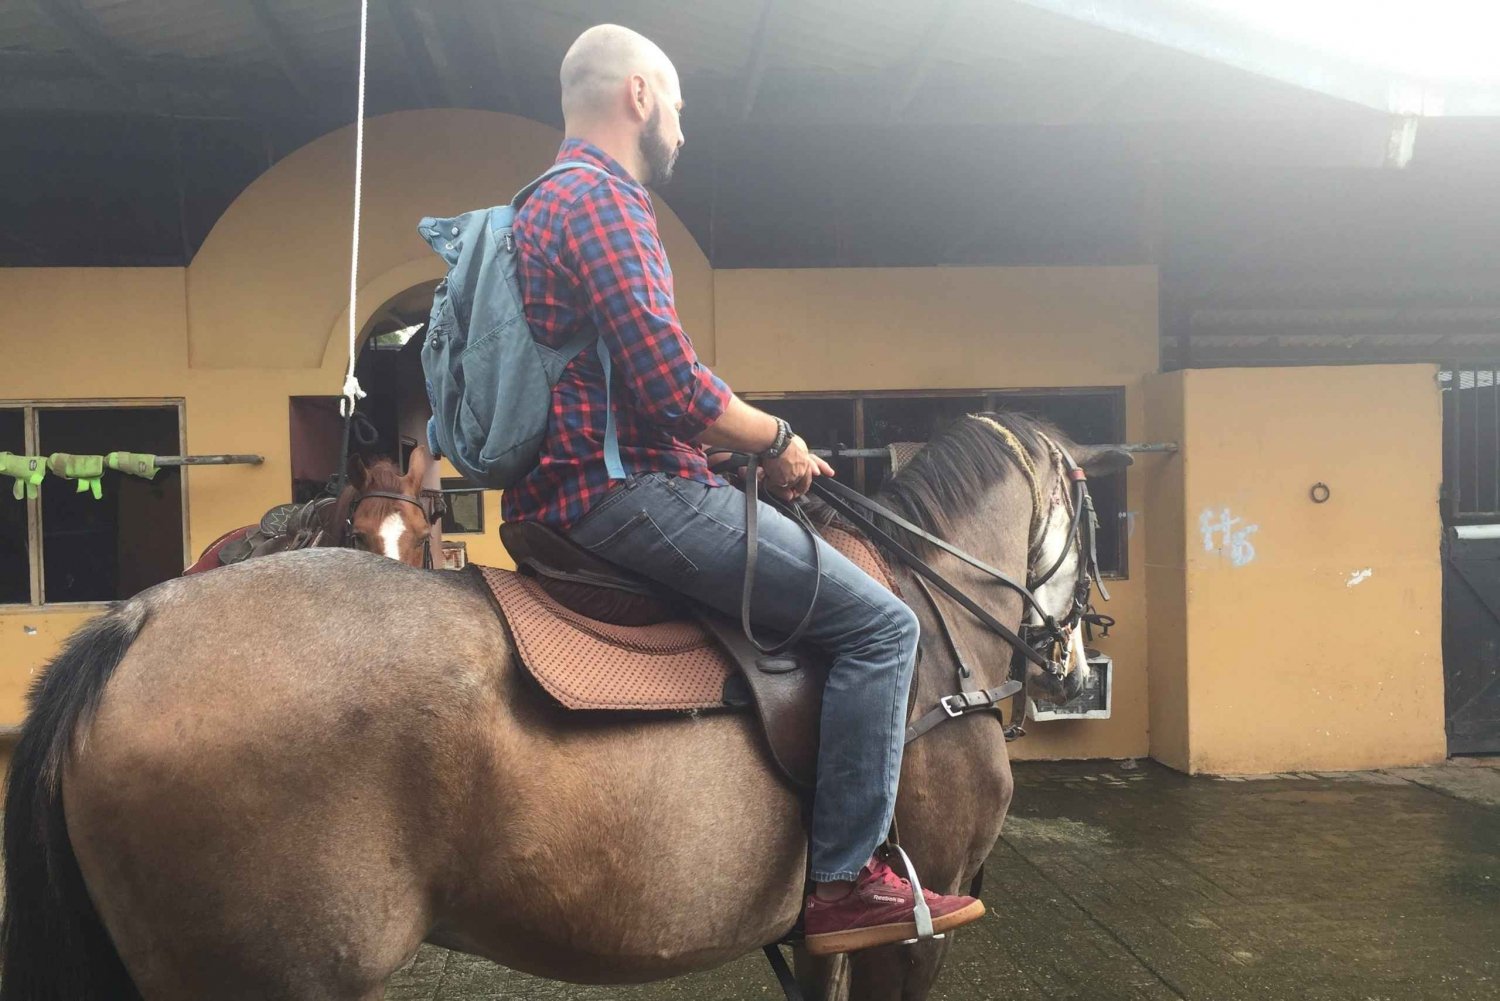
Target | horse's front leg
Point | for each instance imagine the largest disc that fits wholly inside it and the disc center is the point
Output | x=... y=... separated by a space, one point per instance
x=896 y=972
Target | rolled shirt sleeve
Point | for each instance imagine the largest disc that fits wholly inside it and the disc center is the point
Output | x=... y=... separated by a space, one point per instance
x=623 y=274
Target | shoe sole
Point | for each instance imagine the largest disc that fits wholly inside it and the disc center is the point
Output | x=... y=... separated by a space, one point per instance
x=834 y=942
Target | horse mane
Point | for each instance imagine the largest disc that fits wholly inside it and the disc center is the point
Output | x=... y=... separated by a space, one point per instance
x=952 y=473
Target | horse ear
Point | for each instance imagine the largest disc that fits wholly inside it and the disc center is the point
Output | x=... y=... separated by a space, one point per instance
x=1102 y=460
x=416 y=469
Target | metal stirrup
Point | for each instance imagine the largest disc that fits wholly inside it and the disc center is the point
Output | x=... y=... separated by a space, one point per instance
x=920 y=912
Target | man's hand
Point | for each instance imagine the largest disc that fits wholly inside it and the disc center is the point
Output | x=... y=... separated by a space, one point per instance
x=790 y=475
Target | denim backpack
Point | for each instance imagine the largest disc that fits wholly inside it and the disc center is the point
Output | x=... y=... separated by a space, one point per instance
x=488 y=380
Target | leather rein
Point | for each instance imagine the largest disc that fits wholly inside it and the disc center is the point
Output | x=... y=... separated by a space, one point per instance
x=1041 y=640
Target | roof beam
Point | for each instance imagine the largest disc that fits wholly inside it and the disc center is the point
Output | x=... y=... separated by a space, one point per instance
x=414 y=55
x=279 y=44
x=922 y=57
x=755 y=67
x=496 y=21
x=85 y=39
x=444 y=34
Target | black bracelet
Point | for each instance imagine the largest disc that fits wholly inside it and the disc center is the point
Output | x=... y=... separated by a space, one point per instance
x=783 y=439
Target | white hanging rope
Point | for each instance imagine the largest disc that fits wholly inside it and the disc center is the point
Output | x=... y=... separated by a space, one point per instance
x=352 y=391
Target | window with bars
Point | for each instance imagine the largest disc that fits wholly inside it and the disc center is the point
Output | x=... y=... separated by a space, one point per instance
x=66 y=547
x=1471 y=443
x=874 y=419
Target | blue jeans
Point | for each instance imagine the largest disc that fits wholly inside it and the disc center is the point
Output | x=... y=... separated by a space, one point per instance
x=691 y=537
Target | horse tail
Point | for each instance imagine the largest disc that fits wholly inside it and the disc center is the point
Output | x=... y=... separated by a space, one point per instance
x=53 y=946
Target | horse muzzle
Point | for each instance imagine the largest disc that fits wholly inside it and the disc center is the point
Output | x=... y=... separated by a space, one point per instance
x=1069 y=677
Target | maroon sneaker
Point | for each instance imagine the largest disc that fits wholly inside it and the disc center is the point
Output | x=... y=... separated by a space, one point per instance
x=879 y=911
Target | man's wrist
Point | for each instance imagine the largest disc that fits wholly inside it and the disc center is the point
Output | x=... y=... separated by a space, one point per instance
x=781 y=442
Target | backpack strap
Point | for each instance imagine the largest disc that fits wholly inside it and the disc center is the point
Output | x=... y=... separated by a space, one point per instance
x=556 y=168
x=612 y=462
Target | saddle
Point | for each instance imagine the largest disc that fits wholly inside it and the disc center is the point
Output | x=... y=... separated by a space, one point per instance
x=599 y=638
x=282 y=529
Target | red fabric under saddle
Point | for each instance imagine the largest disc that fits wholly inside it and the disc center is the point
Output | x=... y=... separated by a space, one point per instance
x=587 y=664
x=210 y=558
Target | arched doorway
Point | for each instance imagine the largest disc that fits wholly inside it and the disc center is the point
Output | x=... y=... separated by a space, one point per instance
x=392 y=418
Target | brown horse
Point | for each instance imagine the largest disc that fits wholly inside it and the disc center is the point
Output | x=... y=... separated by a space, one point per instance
x=379 y=509
x=269 y=783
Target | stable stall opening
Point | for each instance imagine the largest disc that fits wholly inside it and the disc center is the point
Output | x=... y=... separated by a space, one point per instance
x=1471 y=557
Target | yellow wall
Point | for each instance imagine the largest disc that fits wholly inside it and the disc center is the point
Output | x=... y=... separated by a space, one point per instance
x=1315 y=643
x=271 y=283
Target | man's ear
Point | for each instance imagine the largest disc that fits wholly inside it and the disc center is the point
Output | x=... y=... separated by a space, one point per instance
x=1101 y=460
x=640 y=97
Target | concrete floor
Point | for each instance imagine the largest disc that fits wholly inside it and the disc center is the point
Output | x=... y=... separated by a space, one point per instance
x=1130 y=881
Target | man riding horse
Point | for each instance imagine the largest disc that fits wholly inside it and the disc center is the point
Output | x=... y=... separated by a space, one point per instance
x=590 y=258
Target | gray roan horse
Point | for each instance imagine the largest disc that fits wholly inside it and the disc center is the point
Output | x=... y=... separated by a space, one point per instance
x=276 y=780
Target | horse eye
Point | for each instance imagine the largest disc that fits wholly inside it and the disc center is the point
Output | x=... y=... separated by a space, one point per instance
x=358 y=542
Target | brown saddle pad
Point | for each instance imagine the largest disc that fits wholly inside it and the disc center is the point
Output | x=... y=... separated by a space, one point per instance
x=678 y=665
x=587 y=664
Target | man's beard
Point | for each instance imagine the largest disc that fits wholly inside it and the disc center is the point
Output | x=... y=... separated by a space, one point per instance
x=660 y=158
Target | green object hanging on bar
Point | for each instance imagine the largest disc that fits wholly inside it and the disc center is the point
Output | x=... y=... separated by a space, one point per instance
x=27 y=470
x=141 y=464
x=88 y=470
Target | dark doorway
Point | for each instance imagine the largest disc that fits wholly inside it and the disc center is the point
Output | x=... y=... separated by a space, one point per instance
x=1471 y=558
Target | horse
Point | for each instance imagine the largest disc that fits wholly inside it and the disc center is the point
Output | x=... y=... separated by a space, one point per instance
x=378 y=509
x=270 y=783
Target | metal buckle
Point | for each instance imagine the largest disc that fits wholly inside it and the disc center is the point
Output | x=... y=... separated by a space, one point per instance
x=947 y=703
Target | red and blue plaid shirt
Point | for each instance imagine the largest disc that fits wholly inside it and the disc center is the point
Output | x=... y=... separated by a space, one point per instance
x=590 y=258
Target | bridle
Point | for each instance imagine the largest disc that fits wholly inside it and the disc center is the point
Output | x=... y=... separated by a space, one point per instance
x=405 y=499
x=1044 y=640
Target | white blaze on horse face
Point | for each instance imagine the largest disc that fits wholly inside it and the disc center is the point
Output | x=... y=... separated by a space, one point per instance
x=391 y=531
x=1056 y=595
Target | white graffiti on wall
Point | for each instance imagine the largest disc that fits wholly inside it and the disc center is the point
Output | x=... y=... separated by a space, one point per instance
x=1225 y=534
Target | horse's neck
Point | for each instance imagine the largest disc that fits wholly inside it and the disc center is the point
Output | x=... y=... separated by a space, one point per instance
x=998 y=533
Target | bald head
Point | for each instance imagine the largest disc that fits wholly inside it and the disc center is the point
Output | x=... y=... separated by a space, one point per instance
x=619 y=88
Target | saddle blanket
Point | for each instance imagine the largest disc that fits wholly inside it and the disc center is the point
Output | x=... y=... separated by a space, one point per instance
x=583 y=663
